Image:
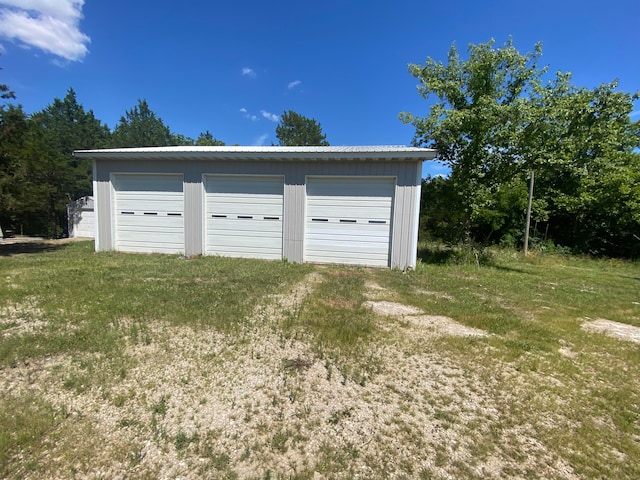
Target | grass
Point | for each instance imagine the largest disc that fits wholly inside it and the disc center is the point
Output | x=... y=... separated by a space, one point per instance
x=539 y=395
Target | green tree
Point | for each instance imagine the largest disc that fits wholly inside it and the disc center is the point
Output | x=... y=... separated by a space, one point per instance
x=13 y=129
x=140 y=127
x=54 y=176
x=495 y=120
x=582 y=147
x=297 y=130
x=474 y=123
x=179 y=139
x=207 y=139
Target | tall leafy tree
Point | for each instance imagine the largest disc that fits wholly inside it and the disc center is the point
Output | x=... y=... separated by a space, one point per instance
x=140 y=127
x=57 y=176
x=13 y=128
x=494 y=120
x=480 y=107
x=582 y=146
x=297 y=130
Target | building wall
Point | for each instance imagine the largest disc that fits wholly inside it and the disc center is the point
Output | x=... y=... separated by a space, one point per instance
x=405 y=209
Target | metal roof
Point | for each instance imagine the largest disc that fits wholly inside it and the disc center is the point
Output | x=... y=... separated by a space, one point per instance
x=375 y=152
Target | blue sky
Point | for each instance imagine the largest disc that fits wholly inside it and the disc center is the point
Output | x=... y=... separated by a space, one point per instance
x=233 y=67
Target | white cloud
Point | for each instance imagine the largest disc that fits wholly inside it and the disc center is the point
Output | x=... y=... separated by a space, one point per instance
x=270 y=116
x=248 y=115
x=258 y=142
x=249 y=72
x=49 y=25
x=293 y=84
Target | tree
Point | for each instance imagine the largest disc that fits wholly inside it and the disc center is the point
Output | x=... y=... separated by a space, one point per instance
x=140 y=127
x=476 y=119
x=495 y=120
x=297 y=130
x=583 y=147
x=13 y=129
x=207 y=139
x=53 y=176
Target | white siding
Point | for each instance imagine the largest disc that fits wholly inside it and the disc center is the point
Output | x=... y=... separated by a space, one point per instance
x=81 y=218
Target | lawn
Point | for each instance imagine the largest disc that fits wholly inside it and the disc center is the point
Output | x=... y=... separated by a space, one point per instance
x=147 y=366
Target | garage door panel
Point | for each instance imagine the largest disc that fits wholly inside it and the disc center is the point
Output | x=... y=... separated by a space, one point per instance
x=355 y=187
x=244 y=216
x=244 y=185
x=256 y=227
x=244 y=209
x=146 y=227
x=347 y=246
x=330 y=239
x=241 y=241
x=343 y=212
x=354 y=229
x=149 y=211
x=153 y=204
x=350 y=202
x=348 y=220
x=148 y=183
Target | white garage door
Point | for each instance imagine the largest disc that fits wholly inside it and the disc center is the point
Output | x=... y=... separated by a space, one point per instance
x=244 y=216
x=149 y=213
x=348 y=220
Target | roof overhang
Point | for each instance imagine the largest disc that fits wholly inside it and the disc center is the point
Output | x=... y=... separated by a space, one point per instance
x=395 y=153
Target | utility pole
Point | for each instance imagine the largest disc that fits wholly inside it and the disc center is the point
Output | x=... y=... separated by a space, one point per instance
x=526 y=229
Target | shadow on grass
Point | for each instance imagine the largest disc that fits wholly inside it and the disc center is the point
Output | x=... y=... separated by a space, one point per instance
x=452 y=255
x=19 y=247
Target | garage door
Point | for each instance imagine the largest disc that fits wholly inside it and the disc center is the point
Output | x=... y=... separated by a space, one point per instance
x=244 y=216
x=149 y=213
x=348 y=220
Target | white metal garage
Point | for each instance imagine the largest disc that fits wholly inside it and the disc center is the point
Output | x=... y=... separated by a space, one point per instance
x=149 y=213
x=348 y=220
x=340 y=204
x=244 y=216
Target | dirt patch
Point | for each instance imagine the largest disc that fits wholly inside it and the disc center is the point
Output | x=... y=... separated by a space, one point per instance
x=21 y=318
x=392 y=309
x=621 y=331
x=443 y=295
x=434 y=324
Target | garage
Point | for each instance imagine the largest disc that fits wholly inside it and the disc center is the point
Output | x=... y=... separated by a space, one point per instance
x=149 y=213
x=355 y=205
x=244 y=215
x=348 y=220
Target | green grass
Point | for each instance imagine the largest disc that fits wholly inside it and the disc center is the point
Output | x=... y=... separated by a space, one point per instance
x=585 y=406
x=89 y=300
x=582 y=406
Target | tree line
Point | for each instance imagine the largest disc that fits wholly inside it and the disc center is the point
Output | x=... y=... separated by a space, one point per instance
x=39 y=175
x=495 y=119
